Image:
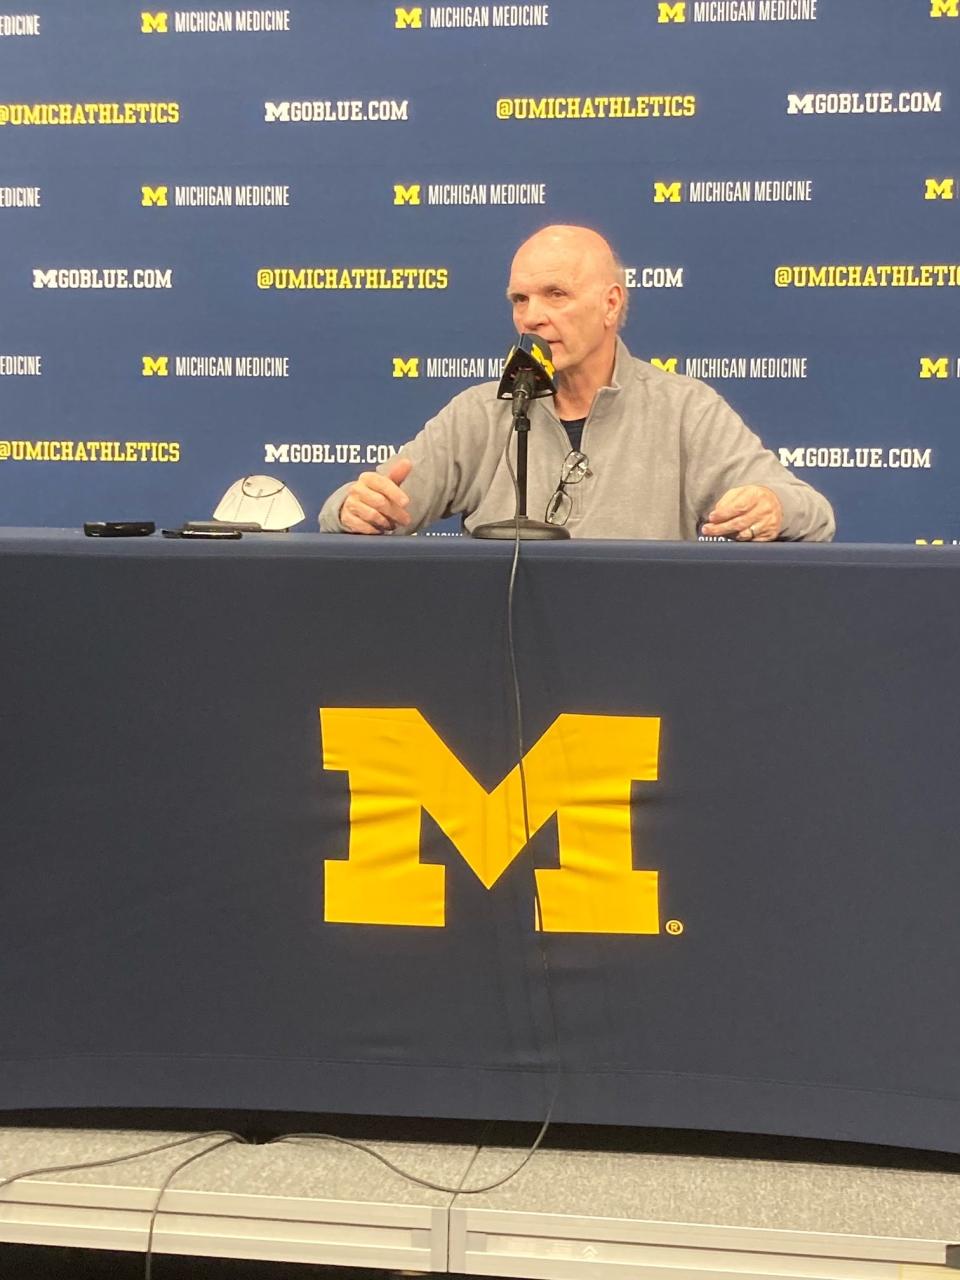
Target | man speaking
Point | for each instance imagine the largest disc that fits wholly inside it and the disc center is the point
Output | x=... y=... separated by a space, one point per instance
x=622 y=450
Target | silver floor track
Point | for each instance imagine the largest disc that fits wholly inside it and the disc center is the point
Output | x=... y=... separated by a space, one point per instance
x=566 y=1214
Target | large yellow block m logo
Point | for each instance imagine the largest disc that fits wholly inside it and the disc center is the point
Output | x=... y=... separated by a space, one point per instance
x=153 y=22
x=945 y=8
x=672 y=12
x=406 y=195
x=581 y=770
x=156 y=366
x=406 y=368
x=668 y=364
x=934 y=368
x=408 y=18
x=153 y=195
x=939 y=188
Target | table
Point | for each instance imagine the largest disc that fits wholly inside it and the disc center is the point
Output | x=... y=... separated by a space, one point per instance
x=772 y=729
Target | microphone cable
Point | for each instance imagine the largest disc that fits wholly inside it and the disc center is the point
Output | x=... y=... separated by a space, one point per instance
x=460 y=1188
x=521 y=752
x=227 y=1138
x=197 y=1155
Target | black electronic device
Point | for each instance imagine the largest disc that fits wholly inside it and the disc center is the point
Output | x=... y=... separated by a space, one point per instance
x=215 y=535
x=220 y=526
x=118 y=528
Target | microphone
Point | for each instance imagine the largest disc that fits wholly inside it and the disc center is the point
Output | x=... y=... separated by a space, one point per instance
x=528 y=374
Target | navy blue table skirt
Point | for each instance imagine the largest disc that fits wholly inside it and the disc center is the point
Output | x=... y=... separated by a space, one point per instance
x=168 y=825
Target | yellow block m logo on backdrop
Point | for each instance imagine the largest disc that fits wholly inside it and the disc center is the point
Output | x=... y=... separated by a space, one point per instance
x=945 y=8
x=934 y=368
x=408 y=18
x=667 y=192
x=153 y=195
x=153 y=22
x=938 y=188
x=581 y=770
x=672 y=12
x=406 y=195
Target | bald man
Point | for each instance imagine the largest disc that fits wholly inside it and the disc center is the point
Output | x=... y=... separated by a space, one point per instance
x=623 y=450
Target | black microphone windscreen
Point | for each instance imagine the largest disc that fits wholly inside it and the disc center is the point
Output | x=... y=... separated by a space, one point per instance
x=532 y=354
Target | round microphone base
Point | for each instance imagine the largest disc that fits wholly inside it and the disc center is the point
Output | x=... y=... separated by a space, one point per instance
x=530 y=530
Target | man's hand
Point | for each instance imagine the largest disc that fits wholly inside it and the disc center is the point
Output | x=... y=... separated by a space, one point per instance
x=376 y=503
x=749 y=513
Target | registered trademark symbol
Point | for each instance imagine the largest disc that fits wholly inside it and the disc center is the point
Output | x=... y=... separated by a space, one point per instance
x=675 y=927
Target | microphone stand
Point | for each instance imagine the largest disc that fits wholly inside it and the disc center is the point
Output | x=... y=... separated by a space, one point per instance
x=521 y=526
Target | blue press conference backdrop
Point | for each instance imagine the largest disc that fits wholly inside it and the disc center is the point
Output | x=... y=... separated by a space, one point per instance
x=275 y=240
